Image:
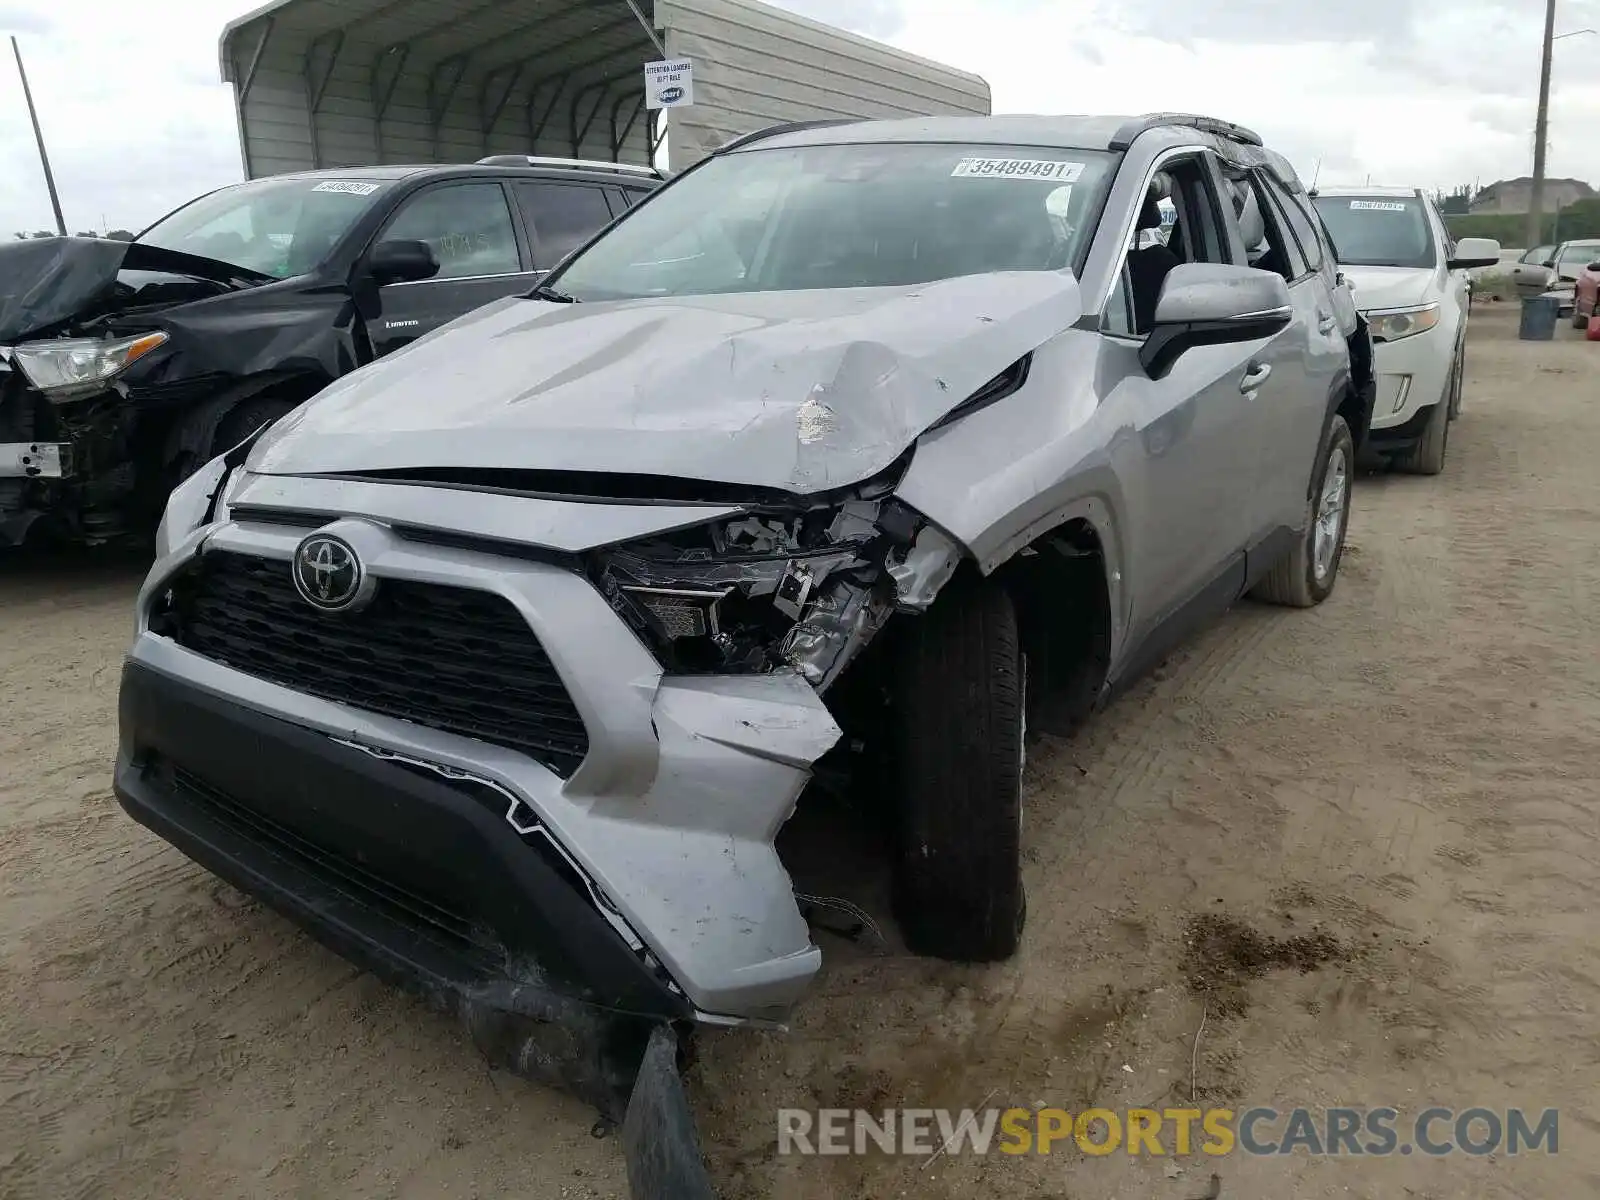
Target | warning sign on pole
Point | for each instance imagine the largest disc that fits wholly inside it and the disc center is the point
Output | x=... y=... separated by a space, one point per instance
x=669 y=84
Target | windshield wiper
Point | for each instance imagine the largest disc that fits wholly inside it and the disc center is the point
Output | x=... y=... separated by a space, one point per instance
x=545 y=292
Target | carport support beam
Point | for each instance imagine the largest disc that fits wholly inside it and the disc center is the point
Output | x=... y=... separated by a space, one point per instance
x=650 y=30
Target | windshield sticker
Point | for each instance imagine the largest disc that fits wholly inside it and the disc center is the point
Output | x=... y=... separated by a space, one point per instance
x=1378 y=205
x=348 y=186
x=1018 y=168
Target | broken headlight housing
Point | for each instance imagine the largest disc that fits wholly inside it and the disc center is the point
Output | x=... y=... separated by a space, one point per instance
x=70 y=367
x=801 y=589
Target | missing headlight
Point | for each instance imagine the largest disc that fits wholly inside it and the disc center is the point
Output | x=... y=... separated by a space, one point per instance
x=802 y=590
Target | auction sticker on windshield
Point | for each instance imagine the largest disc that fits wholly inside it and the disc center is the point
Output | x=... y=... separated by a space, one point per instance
x=348 y=186
x=1378 y=205
x=1018 y=168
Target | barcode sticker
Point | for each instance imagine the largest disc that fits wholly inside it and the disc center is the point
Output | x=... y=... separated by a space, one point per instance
x=1052 y=170
x=1378 y=205
x=348 y=186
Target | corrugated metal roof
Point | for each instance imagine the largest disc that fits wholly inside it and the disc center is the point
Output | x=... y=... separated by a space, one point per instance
x=341 y=82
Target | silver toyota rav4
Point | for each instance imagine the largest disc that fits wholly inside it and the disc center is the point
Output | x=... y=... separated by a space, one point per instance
x=500 y=664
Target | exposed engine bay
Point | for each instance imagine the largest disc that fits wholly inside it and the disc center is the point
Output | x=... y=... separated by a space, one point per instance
x=805 y=589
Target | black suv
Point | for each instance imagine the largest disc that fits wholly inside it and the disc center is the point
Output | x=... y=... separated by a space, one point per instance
x=125 y=365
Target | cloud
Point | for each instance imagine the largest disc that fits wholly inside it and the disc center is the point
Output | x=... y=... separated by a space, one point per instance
x=24 y=18
x=137 y=121
x=882 y=19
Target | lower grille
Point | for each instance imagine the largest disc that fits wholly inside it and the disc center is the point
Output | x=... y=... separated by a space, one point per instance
x=448 y=658
x=474 y=947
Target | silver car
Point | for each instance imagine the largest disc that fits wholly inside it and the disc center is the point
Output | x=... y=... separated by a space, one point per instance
x=501 y=663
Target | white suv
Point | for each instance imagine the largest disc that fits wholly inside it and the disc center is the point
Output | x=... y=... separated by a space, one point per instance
x=1410 y=282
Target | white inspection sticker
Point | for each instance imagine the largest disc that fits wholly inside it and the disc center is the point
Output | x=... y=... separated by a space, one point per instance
x=348 y=186
x=1049 y=169
x=1378 y=205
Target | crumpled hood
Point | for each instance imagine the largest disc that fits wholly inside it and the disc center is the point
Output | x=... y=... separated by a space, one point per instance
x=1390 y=287
x=45 y=281
x=802 y=391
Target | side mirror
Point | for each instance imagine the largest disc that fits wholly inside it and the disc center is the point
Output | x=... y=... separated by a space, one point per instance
x=1206 y=304
x=1549 y=264
x=1594 y=267
x=401 y=262
x=1475 y=252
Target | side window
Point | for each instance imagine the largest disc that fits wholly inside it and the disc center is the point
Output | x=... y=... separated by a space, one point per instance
x=1197 y=235
x=467 y=224
x=1264 y=229
x=1119 y=320
x=563 y=216
x=1305 y=232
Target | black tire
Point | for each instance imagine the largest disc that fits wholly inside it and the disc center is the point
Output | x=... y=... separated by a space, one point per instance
x=957 y=723
x=1427 y=456
x=1295 y=579
x=238 y=423
x=244 y=418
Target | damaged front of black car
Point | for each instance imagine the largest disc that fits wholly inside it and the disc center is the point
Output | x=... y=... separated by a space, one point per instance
x=96 y=367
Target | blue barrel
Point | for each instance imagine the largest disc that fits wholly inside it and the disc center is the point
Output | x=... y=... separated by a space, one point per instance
x=1539 y=315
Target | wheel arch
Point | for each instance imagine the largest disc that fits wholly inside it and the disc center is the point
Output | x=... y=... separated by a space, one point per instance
x=192 y=434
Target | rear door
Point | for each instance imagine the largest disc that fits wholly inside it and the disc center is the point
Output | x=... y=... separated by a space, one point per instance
x=468 y=224
x=1313 y=357
x=561 y=215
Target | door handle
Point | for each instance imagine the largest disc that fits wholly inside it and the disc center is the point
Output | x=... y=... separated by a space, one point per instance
x=1255 y=377
x=1325 y=323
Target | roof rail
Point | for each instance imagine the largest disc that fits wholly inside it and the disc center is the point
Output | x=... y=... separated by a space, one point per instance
x=1123 y=138
x=588 y=164
x=744 y=139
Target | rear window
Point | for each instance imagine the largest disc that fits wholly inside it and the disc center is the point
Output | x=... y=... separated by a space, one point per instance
x=1379 y=231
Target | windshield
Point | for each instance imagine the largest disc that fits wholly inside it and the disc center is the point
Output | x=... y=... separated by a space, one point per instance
x=1379 y=231
x=277 y=227
x=881 y=215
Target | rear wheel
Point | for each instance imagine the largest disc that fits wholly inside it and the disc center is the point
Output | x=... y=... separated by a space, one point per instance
x=957 y=721
x=1305 y=576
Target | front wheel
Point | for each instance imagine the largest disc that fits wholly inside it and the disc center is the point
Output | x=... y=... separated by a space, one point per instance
x=957 y=721
x=1305 y=576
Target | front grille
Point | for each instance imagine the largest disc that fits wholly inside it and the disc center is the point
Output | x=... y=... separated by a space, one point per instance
x=463 y=939
x=453 y=659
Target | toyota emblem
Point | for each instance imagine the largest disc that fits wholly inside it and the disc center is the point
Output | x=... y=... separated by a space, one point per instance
x=328 y=573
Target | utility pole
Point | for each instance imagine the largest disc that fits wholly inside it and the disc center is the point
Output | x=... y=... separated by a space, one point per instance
x=1541 y=126
x=38 y=136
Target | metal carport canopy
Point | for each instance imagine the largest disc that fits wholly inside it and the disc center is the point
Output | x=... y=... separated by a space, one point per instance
x=320 y=83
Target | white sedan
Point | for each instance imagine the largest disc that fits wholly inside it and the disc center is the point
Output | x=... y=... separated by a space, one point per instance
x=1410 y=283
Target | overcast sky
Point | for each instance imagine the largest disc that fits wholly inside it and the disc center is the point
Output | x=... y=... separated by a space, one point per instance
x=1406 y=91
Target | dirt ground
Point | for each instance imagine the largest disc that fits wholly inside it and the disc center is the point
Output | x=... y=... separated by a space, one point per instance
x=1404 y=782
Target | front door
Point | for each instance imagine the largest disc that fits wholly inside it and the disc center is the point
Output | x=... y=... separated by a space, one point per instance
x=469 y=227
x=1190 y=457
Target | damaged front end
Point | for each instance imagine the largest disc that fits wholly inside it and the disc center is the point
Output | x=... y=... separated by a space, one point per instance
x=801 y=584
